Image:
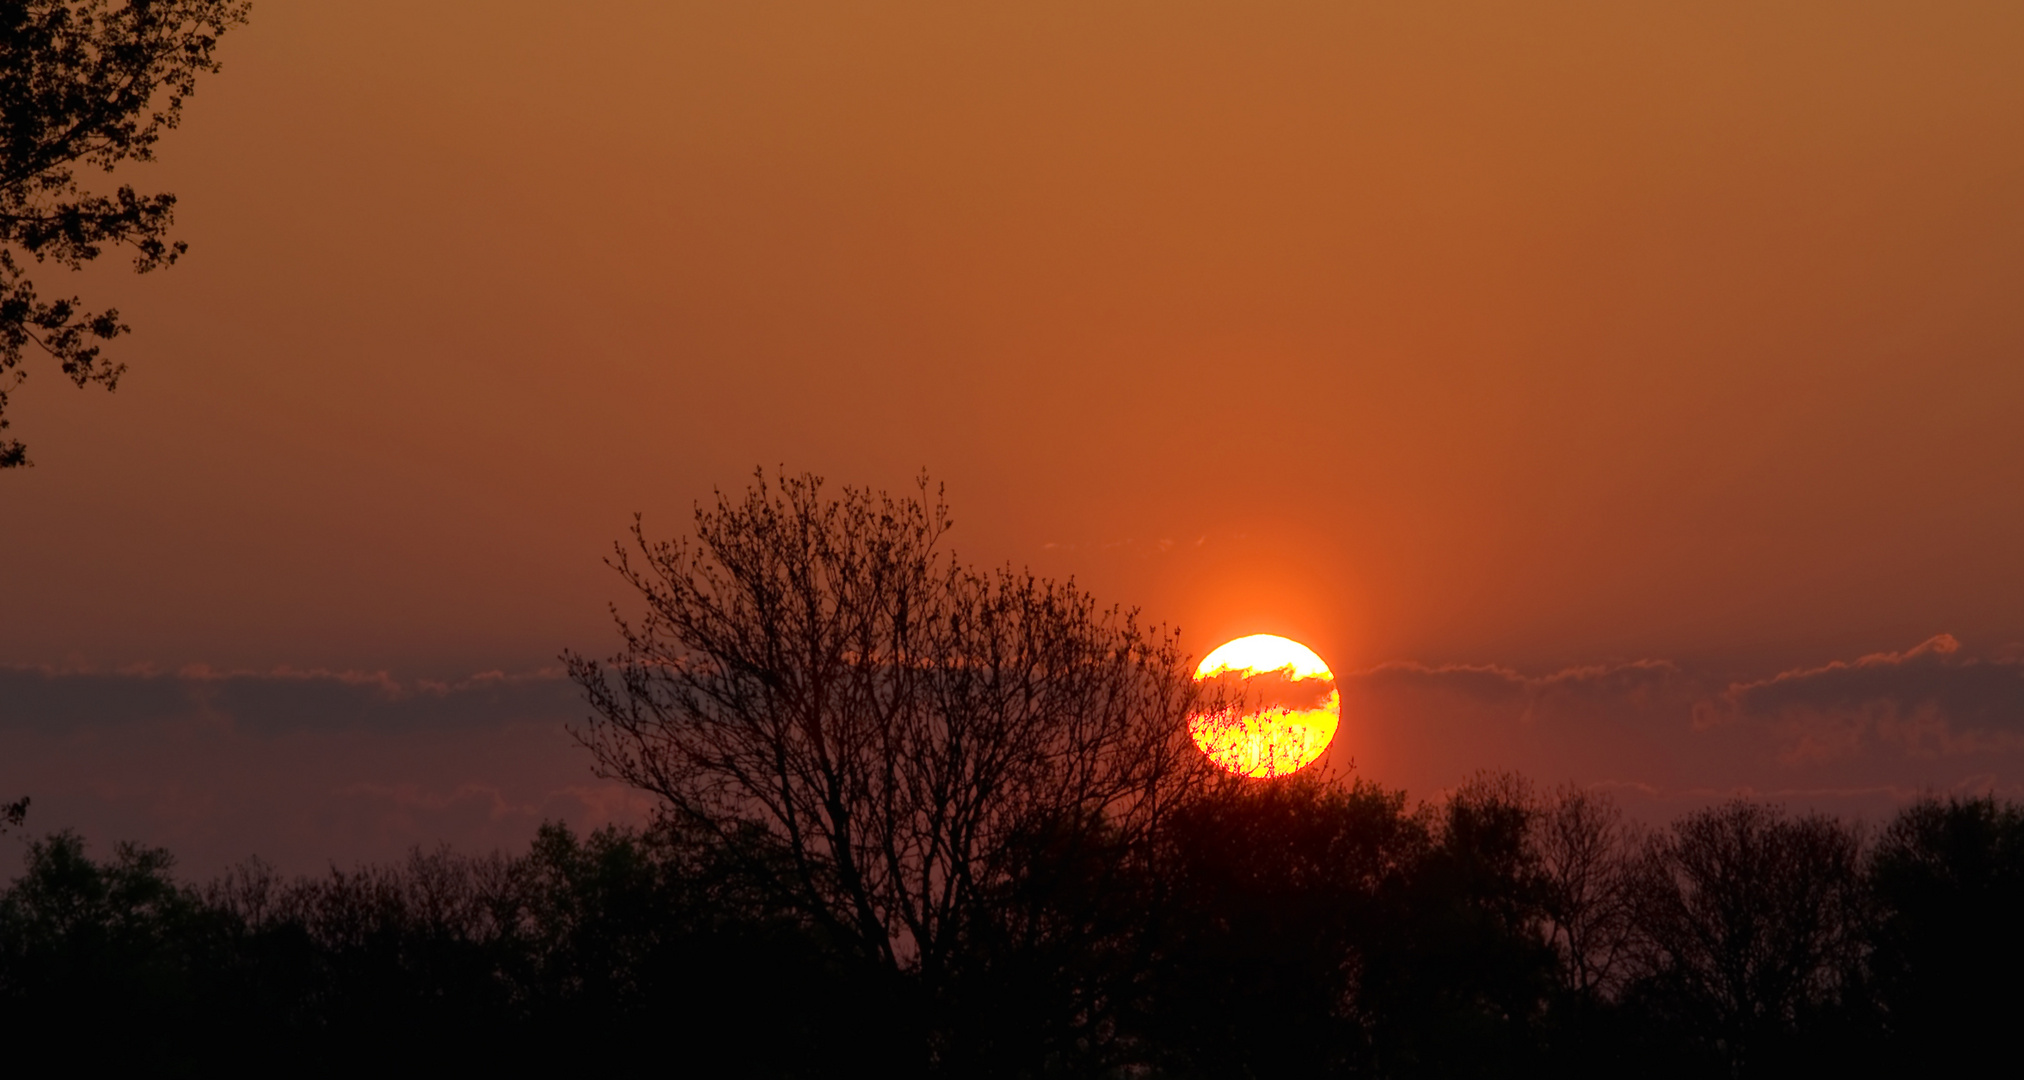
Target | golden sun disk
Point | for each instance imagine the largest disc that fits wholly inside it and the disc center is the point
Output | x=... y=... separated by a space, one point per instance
x=1270 y=709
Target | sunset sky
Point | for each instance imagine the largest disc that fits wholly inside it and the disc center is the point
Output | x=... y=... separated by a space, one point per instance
x=1630 y=394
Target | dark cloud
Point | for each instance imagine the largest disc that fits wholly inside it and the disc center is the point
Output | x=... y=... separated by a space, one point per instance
x=1928 y=701
x=303 y=767
x=1973 y=693
x=1480 y=682
x=277 y=702
x=1427 y=727
x=1859 y=735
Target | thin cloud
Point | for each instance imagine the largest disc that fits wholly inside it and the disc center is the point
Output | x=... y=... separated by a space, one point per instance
x=1642 y=681
x=43 y=699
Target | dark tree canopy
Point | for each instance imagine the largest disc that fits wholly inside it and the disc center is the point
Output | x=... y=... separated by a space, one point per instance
x=1301 y=927
x=86 y=84
x=1948 y=885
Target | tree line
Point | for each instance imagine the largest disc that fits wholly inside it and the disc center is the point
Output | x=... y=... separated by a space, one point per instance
x=1298 y=927
x=920 y=819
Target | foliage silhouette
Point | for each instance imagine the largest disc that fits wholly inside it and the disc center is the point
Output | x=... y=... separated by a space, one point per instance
x=86 y=83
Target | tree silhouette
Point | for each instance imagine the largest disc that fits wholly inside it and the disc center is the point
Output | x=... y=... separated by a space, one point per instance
x=886 y=736
x=1580 y=839
x=1461 y=975
x=1272 y=898
x=1301 y=926
x=82 y=940
x=1750 y=925
x=1949 y=880
x=86 y=83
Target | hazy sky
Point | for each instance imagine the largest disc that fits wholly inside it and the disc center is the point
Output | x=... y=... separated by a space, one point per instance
x=1529 y=337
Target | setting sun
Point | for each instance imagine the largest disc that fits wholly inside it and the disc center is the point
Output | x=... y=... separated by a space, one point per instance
x=1272 y=709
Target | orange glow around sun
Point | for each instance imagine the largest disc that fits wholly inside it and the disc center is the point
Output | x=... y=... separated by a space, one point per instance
x=1271 y=706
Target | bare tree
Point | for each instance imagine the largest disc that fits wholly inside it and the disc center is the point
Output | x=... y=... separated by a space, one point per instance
x=1582 y=849
x=885 y=733
x=1748 y=920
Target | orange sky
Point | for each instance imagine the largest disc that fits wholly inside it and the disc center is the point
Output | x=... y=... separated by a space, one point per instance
x=1527 y=333
x=1521 y=334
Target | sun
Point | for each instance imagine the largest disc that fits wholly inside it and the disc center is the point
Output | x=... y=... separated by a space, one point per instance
x=1270 y=706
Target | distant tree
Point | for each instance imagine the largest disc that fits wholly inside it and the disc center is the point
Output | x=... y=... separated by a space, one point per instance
x=1301 y=926
x=83 y=941
x=904 y=734
x=1948 y=878
x=86 y=83
x=1460 y=975
x=1581 y=842
x=1750 y=929
x=1271 y=897
x=604 y=953
x=13 y=814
